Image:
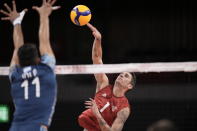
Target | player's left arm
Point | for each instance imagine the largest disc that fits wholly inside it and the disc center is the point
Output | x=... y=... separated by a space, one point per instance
x=15 y=18
x=118 y=124
x=121 y=118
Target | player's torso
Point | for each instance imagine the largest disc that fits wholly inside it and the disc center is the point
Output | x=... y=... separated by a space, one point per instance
x=34 y=93
x=109 y=105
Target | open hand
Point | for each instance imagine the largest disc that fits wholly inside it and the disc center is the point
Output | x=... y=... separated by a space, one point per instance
x=91 y=104
x=11 y=14
x=46 y=8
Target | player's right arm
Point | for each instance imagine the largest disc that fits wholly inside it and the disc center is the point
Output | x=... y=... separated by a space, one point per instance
x=102 y=79
x=16 y=18
x=47 y=55
x=44 y=34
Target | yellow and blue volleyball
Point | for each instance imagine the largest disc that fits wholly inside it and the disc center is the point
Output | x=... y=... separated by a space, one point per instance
x=80 y=15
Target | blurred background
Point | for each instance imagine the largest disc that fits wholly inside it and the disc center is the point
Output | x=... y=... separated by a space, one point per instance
x=133 y=32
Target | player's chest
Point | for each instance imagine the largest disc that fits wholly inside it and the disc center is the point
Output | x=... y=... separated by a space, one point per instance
x=108 y=103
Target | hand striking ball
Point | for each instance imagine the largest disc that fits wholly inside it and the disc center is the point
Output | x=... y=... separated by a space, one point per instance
x=80 y=15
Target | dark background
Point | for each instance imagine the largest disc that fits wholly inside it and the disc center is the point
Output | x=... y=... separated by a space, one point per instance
x=133 y=32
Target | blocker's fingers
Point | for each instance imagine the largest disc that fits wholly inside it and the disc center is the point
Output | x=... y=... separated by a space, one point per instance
x=14 y=5
x=43 y=2
x=53 y=2
x=56 y=7
x=48 y=1
x=35 y=8
x=7 y=7
x=25 y=10
x=4 y=12
x=5 y=18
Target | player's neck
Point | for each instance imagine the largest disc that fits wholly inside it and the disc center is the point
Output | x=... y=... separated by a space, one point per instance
x=118 y=92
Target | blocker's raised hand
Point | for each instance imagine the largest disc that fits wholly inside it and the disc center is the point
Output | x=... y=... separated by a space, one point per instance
x=12 y=14
x=46 y=8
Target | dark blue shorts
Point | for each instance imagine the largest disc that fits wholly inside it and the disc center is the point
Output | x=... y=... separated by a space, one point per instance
x=27 y=127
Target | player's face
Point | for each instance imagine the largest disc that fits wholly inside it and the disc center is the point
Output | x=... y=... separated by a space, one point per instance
x=124 y=79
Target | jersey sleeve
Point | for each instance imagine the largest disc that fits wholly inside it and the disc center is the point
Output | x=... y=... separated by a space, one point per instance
x=48 y=60
x=124 y=104
x=11 y=71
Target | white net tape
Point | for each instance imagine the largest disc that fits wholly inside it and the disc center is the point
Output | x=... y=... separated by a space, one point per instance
x=117 y=68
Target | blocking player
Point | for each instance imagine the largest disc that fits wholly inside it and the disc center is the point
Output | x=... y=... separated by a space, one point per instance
x=33 y=81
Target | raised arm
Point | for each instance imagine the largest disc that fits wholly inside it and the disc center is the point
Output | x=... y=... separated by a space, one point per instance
x=102 y=79
x=15 y=18
x=117 y=125
x=44 y=34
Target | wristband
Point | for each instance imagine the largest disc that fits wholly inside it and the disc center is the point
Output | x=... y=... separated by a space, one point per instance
x=19 y=19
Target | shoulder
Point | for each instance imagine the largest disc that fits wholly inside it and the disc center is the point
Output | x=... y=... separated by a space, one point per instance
x=124 y=104
x=48 y=60
x=12 y=70
x=125 y=101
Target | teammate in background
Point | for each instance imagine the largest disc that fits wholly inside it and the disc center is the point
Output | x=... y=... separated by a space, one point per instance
x=163 y=125
x=109 y=109
x=33 y=82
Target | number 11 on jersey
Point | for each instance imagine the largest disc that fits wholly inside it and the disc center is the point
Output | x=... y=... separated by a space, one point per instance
x=25 y=85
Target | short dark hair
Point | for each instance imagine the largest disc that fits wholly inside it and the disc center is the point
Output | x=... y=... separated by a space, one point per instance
x=27 y=55
x=133 y=81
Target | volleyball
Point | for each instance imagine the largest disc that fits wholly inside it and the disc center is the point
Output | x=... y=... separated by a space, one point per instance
x=80 y=15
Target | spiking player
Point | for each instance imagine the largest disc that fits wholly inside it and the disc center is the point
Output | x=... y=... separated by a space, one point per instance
x=33 y=82
x=109 y=109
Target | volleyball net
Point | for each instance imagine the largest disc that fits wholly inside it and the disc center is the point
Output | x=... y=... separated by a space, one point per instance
x=117 y=68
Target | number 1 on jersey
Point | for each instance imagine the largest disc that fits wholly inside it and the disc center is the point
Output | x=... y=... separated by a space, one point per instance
x=104 y=107
x=37 y=83
x=25 y=85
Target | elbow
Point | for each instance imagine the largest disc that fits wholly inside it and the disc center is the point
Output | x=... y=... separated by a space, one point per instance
x=95 y=57
x=96 y=60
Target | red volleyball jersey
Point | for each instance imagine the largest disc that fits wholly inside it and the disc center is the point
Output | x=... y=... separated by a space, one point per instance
x=108 y=104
